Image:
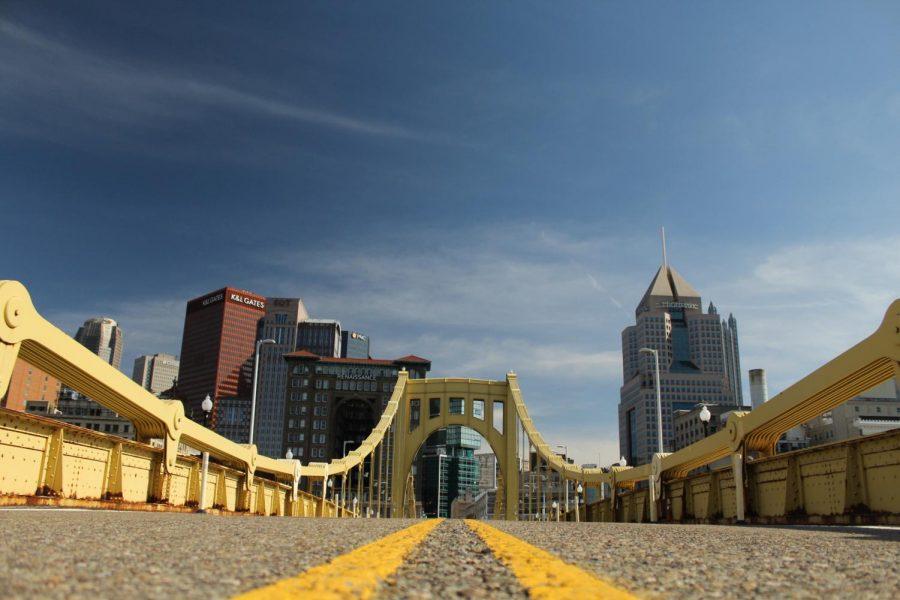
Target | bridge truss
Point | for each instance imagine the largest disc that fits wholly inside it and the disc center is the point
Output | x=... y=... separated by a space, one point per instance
x=47 y=459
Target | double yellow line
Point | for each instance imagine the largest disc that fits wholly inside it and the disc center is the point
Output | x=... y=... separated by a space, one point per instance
x=357 y=574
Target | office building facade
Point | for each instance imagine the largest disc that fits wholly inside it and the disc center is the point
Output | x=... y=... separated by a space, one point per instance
x=333 y=403
x=874 y=411
x=283 y=316
x=354 y=345
x=217 y=347
x=447 y=469
x=322 y=337
x=76 y=409
x=103 y=337
x=696 y=353
x=28 y=383
x=155 y=372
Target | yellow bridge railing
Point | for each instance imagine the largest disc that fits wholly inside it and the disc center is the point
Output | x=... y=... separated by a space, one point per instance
x=25 y=334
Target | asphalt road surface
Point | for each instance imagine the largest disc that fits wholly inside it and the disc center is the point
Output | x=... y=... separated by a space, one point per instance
x=79 y=554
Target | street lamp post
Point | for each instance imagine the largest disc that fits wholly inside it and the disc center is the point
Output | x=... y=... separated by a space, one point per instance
x=705 y=416
x=565 y=479
x=578 y=491
x=207 y=406
x=555 y=506
x=255 y=377
x=659 y=427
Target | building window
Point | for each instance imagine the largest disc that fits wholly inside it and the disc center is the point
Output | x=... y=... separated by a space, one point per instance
x=478 y=409
x=457 y=406
x=414 y=413
x=434 y=408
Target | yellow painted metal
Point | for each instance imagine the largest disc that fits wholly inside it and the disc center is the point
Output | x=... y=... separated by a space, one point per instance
x=67 y=461
x=848 y=482
x=489 y=396
x=44 y=458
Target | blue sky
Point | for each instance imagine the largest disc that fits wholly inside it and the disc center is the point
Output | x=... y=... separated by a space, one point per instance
x=480 y=183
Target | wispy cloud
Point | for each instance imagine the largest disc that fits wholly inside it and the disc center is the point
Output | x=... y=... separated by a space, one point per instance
x=53 y=89
x=803 y=304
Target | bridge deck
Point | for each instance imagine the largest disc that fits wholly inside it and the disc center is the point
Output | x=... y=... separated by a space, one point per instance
x=62 y=553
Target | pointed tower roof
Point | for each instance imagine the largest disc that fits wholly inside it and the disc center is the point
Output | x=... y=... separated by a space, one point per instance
x=667 y=286
x=682 y=288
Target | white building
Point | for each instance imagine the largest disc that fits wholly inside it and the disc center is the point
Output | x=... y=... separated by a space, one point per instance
x=874 y=411
x=155 y=372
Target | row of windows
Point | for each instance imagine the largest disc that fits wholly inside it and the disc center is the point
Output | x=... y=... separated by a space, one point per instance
x=107 y=427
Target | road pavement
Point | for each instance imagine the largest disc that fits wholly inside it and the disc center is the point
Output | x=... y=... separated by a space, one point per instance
x=105 y=554
x=717 y=561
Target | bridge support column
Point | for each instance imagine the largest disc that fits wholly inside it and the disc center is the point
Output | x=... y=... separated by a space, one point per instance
x=737 y=466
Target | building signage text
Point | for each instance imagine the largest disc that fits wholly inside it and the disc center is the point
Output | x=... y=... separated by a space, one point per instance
x=247 y=300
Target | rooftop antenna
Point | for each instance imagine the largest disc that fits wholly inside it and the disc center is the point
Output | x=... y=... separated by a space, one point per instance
x=665 y=259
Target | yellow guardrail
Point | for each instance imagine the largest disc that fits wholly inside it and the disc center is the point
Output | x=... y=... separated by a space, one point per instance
x=24 y=333
x=870 y=362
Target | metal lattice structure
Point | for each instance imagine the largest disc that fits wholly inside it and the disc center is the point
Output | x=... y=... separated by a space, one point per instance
x=48 y=455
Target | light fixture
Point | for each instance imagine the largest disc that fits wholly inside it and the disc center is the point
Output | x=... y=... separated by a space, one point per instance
x=705 y=415
x=289 y=455
x=207 y=404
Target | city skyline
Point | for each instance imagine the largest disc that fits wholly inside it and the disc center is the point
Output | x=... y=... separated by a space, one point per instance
x=490 y=206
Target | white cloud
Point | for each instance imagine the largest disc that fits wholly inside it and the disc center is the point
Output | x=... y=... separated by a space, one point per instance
x=804 y=304
x=78 y=92
x=480 y=305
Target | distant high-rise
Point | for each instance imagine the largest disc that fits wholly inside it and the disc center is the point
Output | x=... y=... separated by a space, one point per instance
x=280 y=322
x=354 y=345
x=103 y=337
x=156 y=372
x=322 y=337
x=217 y=348
x=698 y=361
x=759 y=389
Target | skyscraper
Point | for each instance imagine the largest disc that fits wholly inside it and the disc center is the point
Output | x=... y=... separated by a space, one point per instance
x=322 y=337
x=156 y=372
x=279 y=324
x=103 y=337
x=698 y=362
x=217 y=348
x=354 y=345
x=447 y=468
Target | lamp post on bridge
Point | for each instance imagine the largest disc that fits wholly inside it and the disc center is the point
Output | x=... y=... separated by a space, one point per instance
x=555 y=506
x=659 y=427
x=578 y=491
x=207 y=406
x=705 y=416
x=565 y=479
x=255 y=377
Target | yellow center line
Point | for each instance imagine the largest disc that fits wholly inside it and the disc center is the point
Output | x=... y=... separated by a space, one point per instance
x=542 y=574
x=355 y=574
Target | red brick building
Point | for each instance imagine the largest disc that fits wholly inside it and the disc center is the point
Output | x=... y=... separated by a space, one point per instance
x=29 y=383
x=217 y=348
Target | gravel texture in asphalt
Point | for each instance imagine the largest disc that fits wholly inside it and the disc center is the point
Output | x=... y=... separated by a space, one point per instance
x=714 y=561
x=108 y=554
x=452 y=562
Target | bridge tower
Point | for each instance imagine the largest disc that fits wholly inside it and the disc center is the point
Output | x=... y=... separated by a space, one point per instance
x=487 y=407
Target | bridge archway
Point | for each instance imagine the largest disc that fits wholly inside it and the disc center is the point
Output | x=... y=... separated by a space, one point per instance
x=428 y=405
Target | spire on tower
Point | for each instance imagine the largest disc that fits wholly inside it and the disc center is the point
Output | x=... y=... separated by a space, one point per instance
x=663 y=235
